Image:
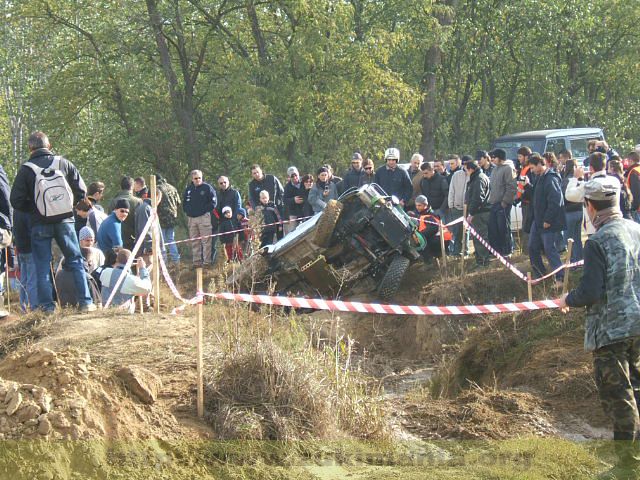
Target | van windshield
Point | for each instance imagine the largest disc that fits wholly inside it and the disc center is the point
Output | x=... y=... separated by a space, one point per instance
x=512 y=146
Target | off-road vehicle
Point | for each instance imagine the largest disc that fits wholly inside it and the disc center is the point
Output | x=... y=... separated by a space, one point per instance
x=364 y=238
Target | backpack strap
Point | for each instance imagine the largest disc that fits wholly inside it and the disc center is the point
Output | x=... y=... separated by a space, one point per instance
x=36 y=169
x=55 y=165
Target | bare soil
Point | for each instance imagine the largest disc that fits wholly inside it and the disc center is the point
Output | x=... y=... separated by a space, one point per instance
x=443 y=377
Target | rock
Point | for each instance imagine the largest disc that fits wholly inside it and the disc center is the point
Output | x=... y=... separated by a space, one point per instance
x=59 y=420
x=13 y=402
x=28 y=412
x=65 y=377
x=143 y=383
x=44 y=425
x=43 y=356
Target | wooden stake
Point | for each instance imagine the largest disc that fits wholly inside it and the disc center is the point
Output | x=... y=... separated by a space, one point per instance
x=463 y=249
x=444 y=253
x=140 y=297
x=200 y=399
x=529 y=286
x=565 y=285
x=155 y=248
x=6 y=261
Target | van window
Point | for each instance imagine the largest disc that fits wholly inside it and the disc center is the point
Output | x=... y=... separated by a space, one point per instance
x=555 y=145
x=511 y=147
x=579 y=146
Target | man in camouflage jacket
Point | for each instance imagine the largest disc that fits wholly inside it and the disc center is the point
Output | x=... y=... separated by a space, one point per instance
x=610 y=289
x=168 y=215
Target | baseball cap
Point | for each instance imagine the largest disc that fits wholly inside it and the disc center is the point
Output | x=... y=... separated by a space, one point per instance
x=291 y=171
x=356 y=156
x=422 y=199
x=602 y=188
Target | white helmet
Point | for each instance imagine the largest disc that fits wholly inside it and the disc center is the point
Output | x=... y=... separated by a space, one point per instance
x=392 y=153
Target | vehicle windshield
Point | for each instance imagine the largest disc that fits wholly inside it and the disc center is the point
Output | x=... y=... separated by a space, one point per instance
x=512 y=146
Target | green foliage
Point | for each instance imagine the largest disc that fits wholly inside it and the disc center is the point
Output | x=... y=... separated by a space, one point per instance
x=124 y=86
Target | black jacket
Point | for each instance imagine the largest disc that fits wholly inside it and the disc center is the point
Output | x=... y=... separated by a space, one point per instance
x=477 y=194
x=228 y=198
x=22 y=191
x=351 y=179
x=228 y=225
x=291 y=208
x=6 y=212
x=548 y=203
x=436 y=189
x=395 y=182
x=269 y=183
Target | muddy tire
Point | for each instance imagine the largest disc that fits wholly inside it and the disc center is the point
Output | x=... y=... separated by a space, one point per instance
x=327 y=223
x=390 y=283
x=251 y=271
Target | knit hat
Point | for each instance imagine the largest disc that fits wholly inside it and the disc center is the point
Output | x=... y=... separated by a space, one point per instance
x=356 y=156
x=122 y=203
x=291 y=171
x=86 y=234
x=226 y=209
x=242 y=212
x=465 y=159
x=422 y=199
x=322 y=170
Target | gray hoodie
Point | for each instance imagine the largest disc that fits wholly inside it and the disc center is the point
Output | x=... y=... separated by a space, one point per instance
x=503 y=184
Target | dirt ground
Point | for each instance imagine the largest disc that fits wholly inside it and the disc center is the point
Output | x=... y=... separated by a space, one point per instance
x=462 y=378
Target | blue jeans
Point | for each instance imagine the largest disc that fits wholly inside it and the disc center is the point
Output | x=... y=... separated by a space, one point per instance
x=636 y=216
x=169 y=236
x=28 y=287
x=500 y=229
x=574 y=231
x=540 y=240
x=65 y=236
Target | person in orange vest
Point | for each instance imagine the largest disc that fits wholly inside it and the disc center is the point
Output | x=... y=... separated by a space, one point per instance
x=633 y=183
x=523 y=195
x=429 y=226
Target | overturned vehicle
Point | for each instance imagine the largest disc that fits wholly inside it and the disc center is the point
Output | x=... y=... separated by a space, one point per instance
x=363 y=241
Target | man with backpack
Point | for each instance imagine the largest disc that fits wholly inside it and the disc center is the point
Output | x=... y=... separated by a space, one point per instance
x=47 y=187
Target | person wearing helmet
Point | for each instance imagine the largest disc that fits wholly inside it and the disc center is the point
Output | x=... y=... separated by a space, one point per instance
x=394 y=180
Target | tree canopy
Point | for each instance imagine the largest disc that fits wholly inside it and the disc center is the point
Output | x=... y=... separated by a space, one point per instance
x=165 y=86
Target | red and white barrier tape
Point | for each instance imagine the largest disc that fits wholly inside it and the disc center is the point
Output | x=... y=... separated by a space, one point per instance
x=502 y=260
x=377 y=308
x=514 y=269
x=281 y=222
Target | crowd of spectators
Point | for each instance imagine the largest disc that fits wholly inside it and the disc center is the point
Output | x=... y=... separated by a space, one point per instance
x=96 y=242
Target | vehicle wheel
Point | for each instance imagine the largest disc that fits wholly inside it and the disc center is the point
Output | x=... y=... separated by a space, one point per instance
x=327 y=223
x=392 y=278
x=251 y=271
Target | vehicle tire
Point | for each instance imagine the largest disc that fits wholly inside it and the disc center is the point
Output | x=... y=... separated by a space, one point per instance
x=390 y=282
x=327 y=223
x=251 y=271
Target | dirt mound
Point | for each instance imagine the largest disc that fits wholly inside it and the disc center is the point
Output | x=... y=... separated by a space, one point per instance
x=63 y=395
x=478 y=414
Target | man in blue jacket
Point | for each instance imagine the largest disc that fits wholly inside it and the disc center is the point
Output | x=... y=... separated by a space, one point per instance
x=547 y=218
x=394 y=180
x=198 y=203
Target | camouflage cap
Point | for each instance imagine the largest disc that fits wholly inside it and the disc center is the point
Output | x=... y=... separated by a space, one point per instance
x=602 y=188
